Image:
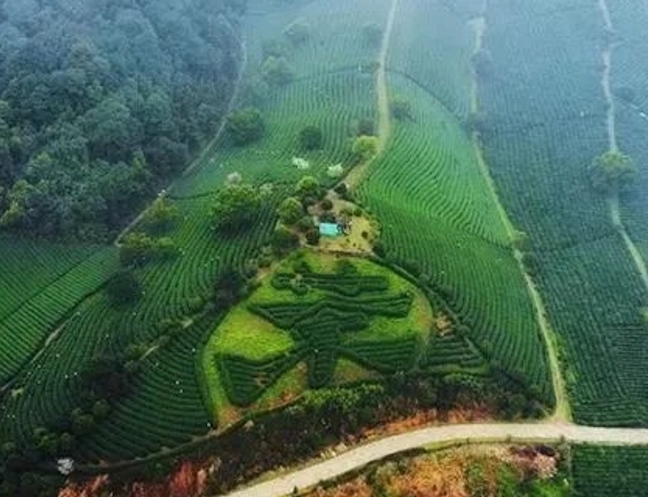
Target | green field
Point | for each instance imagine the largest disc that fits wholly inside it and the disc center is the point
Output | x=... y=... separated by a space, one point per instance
x=604 y=471
x=442 y=293
x=314 y=310
x=428 y=177
x=42 y=283
x=545 y=122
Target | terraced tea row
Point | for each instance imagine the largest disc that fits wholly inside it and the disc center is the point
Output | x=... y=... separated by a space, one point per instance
x=630 y=86
x=605 y=471
x=331 y=37
x=551 y=101
x=29 y=266
x=172 y=290
x=23 y=331
x=425 y=34
x=166 y=387
x=335 y=103
x=429 y=177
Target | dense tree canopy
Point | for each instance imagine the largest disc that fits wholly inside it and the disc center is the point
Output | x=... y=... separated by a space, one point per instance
x=245 y=126
x=100 y=101
x=235 y=206
x=612 y=172
x=365 y=147
x=290 y=211
x=310 y=137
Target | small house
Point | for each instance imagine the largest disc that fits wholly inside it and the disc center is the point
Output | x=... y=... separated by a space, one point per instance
x=329 y=229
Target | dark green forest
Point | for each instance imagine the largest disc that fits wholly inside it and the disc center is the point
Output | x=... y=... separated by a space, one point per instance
x=102 y=101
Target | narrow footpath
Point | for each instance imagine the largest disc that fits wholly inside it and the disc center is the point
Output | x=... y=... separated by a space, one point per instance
x=613 y=146
x=562 y=411
x=357 y=174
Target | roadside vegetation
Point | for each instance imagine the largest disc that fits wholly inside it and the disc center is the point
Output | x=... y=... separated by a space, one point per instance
x=502 y=471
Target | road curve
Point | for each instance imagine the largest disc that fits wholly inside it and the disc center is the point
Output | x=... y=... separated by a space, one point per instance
x=442 y=435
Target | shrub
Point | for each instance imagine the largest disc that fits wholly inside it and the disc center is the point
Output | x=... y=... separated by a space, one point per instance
x=298 y=32
x=482 y=62
x=229 y=288
x=305 y=224
x=372 y=35
x=369 y=67
x=276 y=71
x=335 y=171
x=123 y=288
x=290 y=211
x=328 y=217
x=308 y=186
x=310 y=138
x=245 y=126
x=341 y=189
x=160 y=216
x=326 y=204
x=164 y=248
x=313 y=236
x=273 y=48
x=401 y=109
x=135 y=248
x=612 y=172
x=365 y=147
x=284 y=240
x=366 y=127
x=235 y=206
x=379 y=249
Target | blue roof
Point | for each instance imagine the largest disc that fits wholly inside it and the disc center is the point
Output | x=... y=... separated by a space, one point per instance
x=329 y=229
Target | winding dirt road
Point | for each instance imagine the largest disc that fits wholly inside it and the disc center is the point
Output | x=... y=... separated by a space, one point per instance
x=442 y=436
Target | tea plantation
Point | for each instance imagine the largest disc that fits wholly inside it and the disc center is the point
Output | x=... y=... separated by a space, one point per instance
x=447 y=290
x=603 y=471
x=545 y=121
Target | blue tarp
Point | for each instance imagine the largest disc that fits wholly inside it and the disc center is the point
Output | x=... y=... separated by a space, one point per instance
x=329 y=229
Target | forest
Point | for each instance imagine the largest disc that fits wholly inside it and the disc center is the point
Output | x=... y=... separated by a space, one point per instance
x=102 y=102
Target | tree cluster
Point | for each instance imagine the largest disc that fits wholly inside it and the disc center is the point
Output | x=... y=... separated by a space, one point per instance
x=365 y=148
x=245 y=126
x=101 y=101
x=612 y=172
x=310 y=137
x=235 y=206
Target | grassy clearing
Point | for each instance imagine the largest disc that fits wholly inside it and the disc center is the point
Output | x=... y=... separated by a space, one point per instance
x=250 y=335
x=244 y=334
